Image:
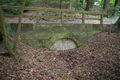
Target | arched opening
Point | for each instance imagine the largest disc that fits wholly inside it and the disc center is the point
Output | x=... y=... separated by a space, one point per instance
x=64 y=44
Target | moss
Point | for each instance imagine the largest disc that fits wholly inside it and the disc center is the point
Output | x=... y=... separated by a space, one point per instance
x=40 y=59
x=45 y=35
x=3 y=78
x=21 y=58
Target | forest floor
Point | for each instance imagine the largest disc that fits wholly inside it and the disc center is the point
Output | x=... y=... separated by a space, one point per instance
x=99 y=59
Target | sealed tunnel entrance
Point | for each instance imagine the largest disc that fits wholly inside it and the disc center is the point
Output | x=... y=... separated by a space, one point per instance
x=64 y=44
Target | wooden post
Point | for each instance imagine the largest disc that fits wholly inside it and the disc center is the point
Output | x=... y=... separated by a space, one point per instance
x=62 y=17
x=83 y=18
x=37 y=19
x=19 y=26
x=3 y=31
x=101 y=19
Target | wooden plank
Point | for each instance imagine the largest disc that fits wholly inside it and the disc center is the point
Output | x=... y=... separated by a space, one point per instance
x=11 y=16
x=72 y=18
x=92 y=18
x=29 y=16
x=32 y=16
x=10 y=7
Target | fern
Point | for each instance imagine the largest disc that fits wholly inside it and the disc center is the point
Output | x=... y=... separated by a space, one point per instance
x=7 y=29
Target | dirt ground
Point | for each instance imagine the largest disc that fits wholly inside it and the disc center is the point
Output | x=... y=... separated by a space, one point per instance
x=99 y=59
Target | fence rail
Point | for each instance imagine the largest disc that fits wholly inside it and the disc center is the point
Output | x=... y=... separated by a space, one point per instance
x=62 y=11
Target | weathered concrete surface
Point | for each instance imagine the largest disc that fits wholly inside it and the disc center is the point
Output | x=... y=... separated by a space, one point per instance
x=44 y=35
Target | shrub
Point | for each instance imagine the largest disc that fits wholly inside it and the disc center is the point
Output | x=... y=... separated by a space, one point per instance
x=15 y=3
x=21 y=58
x=114 y=11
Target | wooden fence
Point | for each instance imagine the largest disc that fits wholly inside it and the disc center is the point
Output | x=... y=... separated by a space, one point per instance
x=62 y=11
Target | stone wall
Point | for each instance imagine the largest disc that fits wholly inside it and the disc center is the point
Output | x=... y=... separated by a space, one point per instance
x=44 y=35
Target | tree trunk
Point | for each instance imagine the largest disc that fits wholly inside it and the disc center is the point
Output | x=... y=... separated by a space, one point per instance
x=60 y=4
x=70 y=4
x=3 y=32
x=117 y=3
x=82 y=1
x=106 y=5
x=89 y=4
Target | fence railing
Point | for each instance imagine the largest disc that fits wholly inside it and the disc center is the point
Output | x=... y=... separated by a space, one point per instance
x=61 y=11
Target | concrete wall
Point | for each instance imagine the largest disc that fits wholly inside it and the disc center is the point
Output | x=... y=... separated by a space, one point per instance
x=44 y=35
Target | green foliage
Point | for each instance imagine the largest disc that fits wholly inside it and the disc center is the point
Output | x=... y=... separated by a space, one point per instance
x=8 y=33
x=40 y=59
x=21 y=58
x=52 y=73
x=8 y=29
x=15 y=3
x=114 y=11
x=13 y=12
x=3 y=78
x=78 y=6
x=11 y=44
x=112 y=2
x=100 y=3
x=11 y=2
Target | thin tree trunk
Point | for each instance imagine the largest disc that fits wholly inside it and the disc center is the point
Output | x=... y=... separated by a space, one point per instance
x=60 y=4
x=19 y=26
x=117 y=3
x=81 y=1
x=4 y=35
x=106 y=5
x=70 y=4
x=89 y=4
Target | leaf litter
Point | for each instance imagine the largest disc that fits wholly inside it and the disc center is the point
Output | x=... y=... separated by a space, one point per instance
x=99 y=59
